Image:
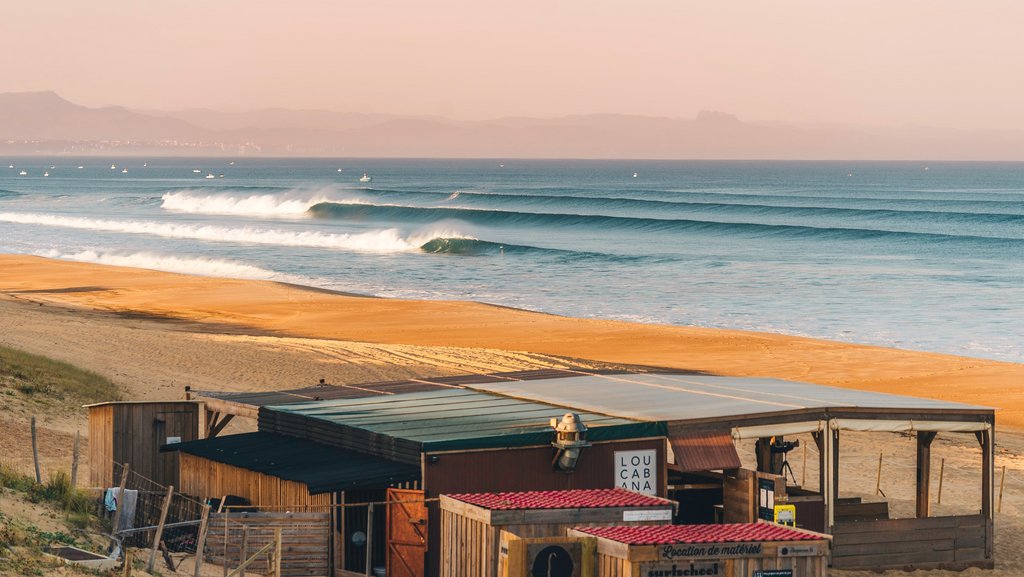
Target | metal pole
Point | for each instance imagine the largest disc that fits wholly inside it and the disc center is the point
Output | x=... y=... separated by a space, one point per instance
x=369 y=540
x=803 y=475
x=35 y=451
x=878 y=481
x=942 y=473
x=1002 y=479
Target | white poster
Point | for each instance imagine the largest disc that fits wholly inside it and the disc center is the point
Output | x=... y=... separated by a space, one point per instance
x=637 y=471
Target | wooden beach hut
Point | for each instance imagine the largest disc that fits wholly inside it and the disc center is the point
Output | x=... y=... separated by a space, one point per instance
x=471 y=524
x=132 y=432
x=730 y=550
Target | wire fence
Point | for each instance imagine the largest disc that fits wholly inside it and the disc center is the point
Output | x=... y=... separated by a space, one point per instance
x=146 y=510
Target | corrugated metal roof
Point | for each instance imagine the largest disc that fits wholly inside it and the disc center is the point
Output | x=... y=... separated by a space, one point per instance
x=680 y=534
x=570 y=499
x=320 y=467
x=704 y=451
x=677 y=397
x=330 y=392
x=459 y=419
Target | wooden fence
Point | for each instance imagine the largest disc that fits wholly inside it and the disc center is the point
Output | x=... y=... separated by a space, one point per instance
x=305 y=540
x=929 y=543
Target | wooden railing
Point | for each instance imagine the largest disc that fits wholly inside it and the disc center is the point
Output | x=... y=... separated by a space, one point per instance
x=928 y=543
x=305 y=539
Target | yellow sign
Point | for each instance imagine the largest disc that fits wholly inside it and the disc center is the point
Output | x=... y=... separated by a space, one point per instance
x=785 y=515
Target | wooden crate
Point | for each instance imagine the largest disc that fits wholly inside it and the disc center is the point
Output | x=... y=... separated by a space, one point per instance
x=471 y=533
x=623 y=553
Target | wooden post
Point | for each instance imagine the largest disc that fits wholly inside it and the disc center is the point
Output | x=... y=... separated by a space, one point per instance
x=127 y=569
x=201 y=541
x=1002 y=480
x=221 y=508
x=878 y=481
x=35 y=451
x=125 y=470
x=924 y=472
x=942 y=475
x=159 y=529
x=277 y=552
x=987 y=471
x=369 y=540
x=803 y=475
x=74 y=462
x=245 y=549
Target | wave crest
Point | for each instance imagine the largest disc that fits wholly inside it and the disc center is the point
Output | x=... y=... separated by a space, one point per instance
x=169 y=263
x=294 y=203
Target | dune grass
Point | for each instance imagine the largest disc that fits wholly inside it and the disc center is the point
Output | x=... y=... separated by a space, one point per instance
x=39 y=377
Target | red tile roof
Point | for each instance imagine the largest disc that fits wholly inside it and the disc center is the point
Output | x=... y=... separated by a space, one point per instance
x=675 y=534
x=572 y=499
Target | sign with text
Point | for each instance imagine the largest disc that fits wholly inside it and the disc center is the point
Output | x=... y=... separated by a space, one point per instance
x=637 y=471
x=693 y=569
x=710 y=550
x=773 y=573
x=648 y=515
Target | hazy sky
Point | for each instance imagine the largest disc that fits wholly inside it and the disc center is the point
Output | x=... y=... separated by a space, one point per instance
x=947 y=63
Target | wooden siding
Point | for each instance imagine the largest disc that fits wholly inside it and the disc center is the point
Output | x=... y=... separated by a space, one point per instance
x=204 y=478
x=132 y=433
x=929 y=543
x=619 y=560
x=101 y=446
x=305 y=541
x=470 y=543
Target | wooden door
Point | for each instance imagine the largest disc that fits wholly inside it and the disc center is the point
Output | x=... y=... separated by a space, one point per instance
x=406 y=533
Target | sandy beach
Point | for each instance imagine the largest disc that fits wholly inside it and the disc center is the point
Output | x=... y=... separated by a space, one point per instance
x=152 y=333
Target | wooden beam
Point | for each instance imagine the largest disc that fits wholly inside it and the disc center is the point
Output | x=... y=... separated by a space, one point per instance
x=987 y=471
x=230 y=408
x=219 y=425
x=835 y=475
x=924 y=472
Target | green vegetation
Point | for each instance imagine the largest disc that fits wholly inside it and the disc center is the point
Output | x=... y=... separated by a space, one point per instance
x=57 y=491
x=41 y=378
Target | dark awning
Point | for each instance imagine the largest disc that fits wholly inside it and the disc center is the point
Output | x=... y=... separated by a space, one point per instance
x=321 y=467
x=704 y=451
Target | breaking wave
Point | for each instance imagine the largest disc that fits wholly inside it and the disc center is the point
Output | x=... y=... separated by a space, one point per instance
x=169 y=263
x=385 y=240
x=244 y=202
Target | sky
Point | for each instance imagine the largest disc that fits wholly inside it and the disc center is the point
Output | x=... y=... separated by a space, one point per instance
x=942 y=63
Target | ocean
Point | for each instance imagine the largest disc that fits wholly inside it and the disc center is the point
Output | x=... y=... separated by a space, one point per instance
x=915 y=255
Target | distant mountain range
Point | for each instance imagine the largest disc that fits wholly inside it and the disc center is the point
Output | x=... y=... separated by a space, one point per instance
x=45 y=123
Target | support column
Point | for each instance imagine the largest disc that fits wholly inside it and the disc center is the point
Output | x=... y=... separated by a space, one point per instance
x=834 y=502
x=830 y=474
x=819 y=440
x=924 y=472
x=987 y=471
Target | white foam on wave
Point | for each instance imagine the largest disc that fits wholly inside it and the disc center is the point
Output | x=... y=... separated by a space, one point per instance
x=383 y=241
x=290 y=203
x=169 y=263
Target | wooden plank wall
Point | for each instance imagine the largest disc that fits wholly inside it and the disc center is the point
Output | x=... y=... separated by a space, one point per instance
x=738 y=496
x=929 y=543
x=470 y=548
x=305 y=541
x=613 y=565
x=101 y=446
x=204 y=478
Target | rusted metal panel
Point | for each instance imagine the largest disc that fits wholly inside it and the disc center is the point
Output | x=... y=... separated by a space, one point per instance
x=407 y=533
x=704 y=451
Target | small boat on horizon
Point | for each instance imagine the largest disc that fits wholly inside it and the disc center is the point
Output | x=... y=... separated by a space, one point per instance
x=124 y=171
x=635 y=175
x=113 y=167
x=23 y=173
x=47 y=173
x=196 y=170
x=365 y=178
x=210 y=175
